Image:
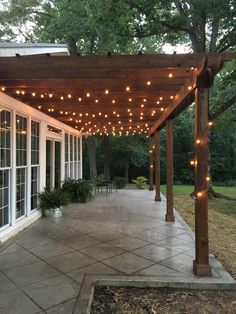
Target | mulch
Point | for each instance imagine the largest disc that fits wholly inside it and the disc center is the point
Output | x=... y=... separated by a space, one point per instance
x=126 y=300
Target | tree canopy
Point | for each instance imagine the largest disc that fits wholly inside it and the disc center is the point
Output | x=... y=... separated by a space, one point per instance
x=128 y=26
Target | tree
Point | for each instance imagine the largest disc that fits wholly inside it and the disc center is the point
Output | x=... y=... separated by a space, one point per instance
x=129 y=150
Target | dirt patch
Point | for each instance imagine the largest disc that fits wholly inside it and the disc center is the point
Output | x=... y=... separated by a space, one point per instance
x=113 y=300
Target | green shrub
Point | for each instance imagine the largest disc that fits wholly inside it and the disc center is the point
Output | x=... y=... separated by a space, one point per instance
x=70 y=186
x=120 y=182
x=85 y=190
x=140 y=182
x=51 y=199
x=80 y=190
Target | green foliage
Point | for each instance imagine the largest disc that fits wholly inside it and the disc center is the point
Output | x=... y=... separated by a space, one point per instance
x=120 y=182
x=52 y=199
x=129 y=150
x=71 y=186
x=79 y=190
x=85 y=190
x=140 y=182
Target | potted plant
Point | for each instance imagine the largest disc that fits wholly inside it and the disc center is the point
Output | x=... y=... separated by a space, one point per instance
x=80 y=190
x=53 y=200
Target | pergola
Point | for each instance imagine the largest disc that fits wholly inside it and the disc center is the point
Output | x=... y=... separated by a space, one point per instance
x=127 y=94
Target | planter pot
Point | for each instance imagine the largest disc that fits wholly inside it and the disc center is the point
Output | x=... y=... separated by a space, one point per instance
x=57 y=212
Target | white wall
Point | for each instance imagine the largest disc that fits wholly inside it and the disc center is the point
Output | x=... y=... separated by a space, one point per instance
x=17 y=107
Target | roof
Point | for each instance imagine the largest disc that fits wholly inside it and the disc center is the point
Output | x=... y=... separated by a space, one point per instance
x=11 y=49
x=105 y=94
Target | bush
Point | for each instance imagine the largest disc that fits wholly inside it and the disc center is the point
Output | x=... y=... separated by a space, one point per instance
x=140 y=182
x=120 y=182
x=51 y=199
x=80 y=190
x=70 y=186
x=230 y=183
x=85 y=190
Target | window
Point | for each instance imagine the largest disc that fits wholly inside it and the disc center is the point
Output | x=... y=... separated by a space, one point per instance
x=34 y=187
x=21 y=141
x=4 y=197
x=66 y=155
x=21 y=163
x=5 y=165
x=35 y=131
x=5 y=138
x=34 y=143
x=20 y=192
x=75 y=157
x=71 y=156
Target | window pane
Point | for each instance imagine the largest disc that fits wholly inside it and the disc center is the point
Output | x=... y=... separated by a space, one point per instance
x=35 y=131
x=4 y=197
x=34 y=187
x=71 y=147
x=5 y=138
x=66 y=147
x=21 y=141
x=20 y=192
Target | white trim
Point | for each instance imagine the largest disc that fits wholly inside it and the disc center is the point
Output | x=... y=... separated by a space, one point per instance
x=16 y=107
x=22 y=224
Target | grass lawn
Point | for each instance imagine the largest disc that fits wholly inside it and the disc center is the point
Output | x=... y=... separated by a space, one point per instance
x=222 y=221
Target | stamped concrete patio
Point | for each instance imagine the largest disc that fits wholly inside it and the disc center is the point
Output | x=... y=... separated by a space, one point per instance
x=123 y=236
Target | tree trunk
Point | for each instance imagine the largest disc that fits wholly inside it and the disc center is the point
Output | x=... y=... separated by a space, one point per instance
x=72 y=46
x=92 y=157
x=127 y=173
x=107 y=157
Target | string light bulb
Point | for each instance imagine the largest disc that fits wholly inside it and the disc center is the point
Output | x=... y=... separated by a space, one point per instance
x=127 y=88
x=170 y=75
x=198 y=141
x=199 y=194
x=3 y=88
x=210 y=123
x=106 y=91
x=148 y=83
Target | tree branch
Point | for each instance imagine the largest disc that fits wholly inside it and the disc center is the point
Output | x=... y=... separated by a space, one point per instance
x=223 y=108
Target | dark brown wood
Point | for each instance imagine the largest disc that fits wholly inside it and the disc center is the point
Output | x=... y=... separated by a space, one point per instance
x=201 y=265
x=157 y=167
x=151 y=166
x=169 y=76
x=169 y=171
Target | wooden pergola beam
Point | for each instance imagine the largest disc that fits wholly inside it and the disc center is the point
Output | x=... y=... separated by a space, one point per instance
x=169 y=171
x=157 y=167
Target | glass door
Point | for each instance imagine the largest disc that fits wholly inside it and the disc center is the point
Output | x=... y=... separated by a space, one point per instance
x=53 y=164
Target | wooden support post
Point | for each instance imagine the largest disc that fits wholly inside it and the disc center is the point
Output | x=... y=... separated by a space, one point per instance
x=157 y=168
x=169 y=171
x=151 y=188
x=201 y=265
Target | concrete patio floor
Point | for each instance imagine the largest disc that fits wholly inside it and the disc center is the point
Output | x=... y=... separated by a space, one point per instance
x=124 y=234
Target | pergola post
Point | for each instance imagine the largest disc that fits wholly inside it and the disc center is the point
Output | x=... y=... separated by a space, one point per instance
x=151 y=188
x=157 y=167
x=201 y=265
x=169 y=171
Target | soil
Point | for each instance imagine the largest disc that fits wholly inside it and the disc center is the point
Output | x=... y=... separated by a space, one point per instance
x=126 y=300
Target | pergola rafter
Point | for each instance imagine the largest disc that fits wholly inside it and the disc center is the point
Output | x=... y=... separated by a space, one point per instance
x=153 y=87
x=127 y=94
